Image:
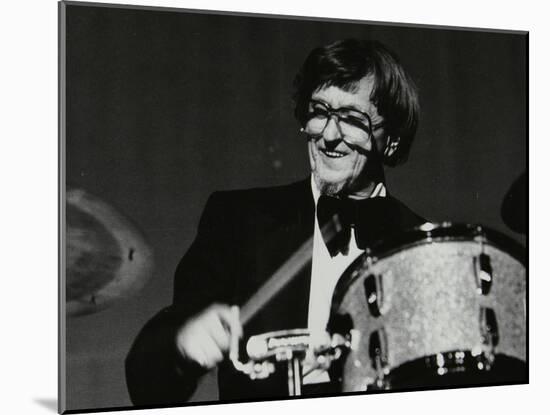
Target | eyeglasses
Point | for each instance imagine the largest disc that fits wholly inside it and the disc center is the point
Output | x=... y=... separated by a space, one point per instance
x=351 y=122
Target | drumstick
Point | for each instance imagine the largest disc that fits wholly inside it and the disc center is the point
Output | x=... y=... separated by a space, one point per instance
x=285 y=273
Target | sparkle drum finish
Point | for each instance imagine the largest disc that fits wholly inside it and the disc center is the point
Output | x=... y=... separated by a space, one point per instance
x=441 y=305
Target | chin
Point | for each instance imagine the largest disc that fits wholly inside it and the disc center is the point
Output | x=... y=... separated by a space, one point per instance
x=329 y=185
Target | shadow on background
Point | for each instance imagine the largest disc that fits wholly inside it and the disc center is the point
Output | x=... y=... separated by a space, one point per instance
x=48 y=403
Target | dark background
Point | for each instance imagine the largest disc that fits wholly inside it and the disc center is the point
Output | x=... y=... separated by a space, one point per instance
x=165 y=107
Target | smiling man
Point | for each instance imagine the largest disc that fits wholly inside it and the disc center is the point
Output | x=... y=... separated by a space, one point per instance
x=358 y=110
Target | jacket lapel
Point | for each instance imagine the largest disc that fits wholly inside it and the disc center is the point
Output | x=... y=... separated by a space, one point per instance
x=285 y=226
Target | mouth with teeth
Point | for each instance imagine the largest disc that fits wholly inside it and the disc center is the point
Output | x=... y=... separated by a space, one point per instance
x=333 y=153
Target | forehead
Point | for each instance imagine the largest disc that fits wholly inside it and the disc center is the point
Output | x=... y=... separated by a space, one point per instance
x=358 y=96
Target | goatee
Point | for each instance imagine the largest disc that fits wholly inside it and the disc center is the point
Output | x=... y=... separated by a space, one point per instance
x=329 y=188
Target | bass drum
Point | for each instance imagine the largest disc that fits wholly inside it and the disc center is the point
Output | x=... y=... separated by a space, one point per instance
x=438 y=306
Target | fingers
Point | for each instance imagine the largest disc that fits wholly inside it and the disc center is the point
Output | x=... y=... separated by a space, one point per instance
x=212 y=354
x=226 y=329
x=215 y=328
x=202 y=350
x=230 y=318
x=206 y=337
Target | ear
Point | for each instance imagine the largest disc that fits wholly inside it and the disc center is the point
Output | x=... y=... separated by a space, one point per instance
x=392 y=144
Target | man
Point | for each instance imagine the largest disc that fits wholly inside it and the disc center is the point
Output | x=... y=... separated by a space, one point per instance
x=358 y=110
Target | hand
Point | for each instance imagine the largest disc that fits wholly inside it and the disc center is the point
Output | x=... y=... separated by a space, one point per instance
x=207 y=336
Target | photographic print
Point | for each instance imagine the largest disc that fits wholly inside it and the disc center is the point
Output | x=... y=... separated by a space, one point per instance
x=261 y=207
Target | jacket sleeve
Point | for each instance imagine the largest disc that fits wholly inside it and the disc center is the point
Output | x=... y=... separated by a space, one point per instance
x=156 y=374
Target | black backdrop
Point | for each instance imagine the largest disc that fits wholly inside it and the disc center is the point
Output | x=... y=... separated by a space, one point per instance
x=165 y=107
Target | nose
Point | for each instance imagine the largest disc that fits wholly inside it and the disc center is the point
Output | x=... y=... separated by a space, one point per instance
x=332 y=130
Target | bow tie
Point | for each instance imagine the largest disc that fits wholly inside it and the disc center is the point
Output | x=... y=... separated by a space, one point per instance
x=372 y=219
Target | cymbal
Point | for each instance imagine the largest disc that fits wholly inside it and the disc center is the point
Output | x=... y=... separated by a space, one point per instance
x=107 y=257
x=514 y=205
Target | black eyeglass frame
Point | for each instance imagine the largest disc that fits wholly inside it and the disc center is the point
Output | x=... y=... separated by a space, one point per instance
x=336 y=112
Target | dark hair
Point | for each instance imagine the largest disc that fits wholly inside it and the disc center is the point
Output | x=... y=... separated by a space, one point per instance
x=343 y=64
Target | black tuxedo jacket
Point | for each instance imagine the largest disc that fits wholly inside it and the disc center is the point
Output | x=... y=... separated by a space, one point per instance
x=243 y=237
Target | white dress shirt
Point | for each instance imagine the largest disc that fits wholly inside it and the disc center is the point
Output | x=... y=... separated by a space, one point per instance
x=325 y=272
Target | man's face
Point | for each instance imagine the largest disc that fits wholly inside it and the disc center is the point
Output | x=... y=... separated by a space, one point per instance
x=341 y=164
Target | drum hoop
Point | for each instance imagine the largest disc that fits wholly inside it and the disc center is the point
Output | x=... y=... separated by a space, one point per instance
x=445 y=232
x=423 y=235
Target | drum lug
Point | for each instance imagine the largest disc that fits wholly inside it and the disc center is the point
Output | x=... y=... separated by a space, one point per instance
x=489 y=328
x=378 y=353
x=483 y=272
x=374 y=293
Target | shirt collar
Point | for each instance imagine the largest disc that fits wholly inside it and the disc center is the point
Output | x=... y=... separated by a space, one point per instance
x=379 y=190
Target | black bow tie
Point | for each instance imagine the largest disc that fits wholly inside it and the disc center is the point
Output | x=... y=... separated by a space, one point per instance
x=372 y=219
